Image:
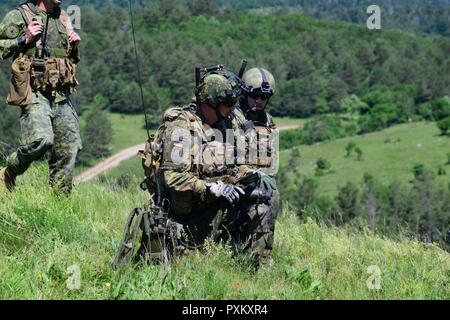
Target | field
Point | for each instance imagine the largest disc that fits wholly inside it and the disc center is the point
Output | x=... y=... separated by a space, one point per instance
x=388 y=155
x=43 y=236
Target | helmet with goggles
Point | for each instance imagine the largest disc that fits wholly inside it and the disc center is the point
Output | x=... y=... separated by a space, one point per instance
x=259 y=83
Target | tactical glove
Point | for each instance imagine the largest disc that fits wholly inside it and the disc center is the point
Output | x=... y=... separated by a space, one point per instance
x=228 y=191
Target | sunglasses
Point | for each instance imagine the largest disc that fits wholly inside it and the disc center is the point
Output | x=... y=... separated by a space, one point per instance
x=259 y=95
x=230 y=102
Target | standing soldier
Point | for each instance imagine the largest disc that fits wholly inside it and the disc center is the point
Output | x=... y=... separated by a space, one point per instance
x=39 y=37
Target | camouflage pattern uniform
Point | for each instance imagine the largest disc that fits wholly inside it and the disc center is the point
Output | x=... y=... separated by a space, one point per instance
x=249 y=224
x=260 y=81
x=48 y=119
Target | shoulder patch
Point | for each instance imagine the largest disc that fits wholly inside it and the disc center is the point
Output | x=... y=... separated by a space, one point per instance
x=12 y=31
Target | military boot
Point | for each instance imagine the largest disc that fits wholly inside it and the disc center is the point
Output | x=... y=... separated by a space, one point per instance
x=7 y=181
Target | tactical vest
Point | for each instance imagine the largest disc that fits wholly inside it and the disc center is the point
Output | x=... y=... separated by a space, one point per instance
x=49 y=71
x=153 y=157
x=262 y=139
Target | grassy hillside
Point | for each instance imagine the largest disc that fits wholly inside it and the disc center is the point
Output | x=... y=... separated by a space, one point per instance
x=42 y=235
x=388 y=155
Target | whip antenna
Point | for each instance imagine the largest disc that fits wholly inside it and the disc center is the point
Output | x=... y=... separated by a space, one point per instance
x=138 y=69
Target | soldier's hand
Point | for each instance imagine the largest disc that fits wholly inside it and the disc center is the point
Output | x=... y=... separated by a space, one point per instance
x=35 y=28
x=228 y=191
x=74 y=38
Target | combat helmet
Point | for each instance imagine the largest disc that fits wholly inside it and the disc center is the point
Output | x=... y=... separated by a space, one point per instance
x=215 y=88
x=259 y=81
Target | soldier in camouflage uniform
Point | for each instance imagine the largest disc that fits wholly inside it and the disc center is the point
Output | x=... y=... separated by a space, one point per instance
x=39 y=37
x=207 y=197
x=259 y=88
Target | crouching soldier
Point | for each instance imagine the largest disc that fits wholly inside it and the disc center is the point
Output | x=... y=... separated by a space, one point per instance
x=261 y=131
x=190 y=174
x=39 y=37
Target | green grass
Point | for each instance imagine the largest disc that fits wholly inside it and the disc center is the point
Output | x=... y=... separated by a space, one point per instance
x=409 y=144
x=285 y=121
x=42 y=235
x=128 y=131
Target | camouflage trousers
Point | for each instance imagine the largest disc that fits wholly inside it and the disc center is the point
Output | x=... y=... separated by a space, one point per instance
x=250 y=227
x=48 y=126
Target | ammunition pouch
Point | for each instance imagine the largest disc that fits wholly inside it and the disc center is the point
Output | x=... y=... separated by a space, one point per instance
x=20 y=93
x=51 y=74
x=35 y=74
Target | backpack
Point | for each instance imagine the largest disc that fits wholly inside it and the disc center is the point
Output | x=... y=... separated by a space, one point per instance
x=152 y=155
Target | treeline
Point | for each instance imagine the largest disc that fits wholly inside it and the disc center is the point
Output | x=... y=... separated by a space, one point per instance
x=420 y=209
x=382 y=110
x=387 y=77
x=422 y=17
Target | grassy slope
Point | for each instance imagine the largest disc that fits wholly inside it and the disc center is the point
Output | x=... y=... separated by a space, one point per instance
x=42 y=235
x=418 y=143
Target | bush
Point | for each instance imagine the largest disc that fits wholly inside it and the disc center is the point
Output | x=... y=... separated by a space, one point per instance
x=323 y=128
x=347 y=201
x=444 y=126
x=359 y=153
x=322 y=165
x=441 y=108
x=351 y=145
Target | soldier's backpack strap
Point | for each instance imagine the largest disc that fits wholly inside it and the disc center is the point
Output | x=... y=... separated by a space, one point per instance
x=28 y=11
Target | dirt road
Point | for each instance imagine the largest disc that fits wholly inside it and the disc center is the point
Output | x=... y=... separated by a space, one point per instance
x=123 y=155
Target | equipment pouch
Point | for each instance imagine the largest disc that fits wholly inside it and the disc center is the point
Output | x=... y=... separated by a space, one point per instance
x=37 y=73
x=51 y=76
x=20 y=93
x=67 y=73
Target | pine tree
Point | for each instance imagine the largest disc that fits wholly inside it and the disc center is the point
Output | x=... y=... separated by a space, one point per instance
x=96 y=136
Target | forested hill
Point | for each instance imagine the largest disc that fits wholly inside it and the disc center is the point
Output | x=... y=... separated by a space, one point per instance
x=422 y=17
x=395 y=76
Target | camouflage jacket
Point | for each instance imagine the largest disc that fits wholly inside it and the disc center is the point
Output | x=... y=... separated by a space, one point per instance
x=261 y=133
x=15 y=24
x=190 y=158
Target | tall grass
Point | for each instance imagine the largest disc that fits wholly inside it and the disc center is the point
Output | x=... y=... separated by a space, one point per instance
x=42 y=235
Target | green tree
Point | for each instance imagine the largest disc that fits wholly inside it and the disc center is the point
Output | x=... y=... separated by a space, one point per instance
x=418 y=170
x=347 y=201
x=351 y=145
x=306 y=193
x=96 y=136
x=444 y=126
x=322 y=165
x=359 y=153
